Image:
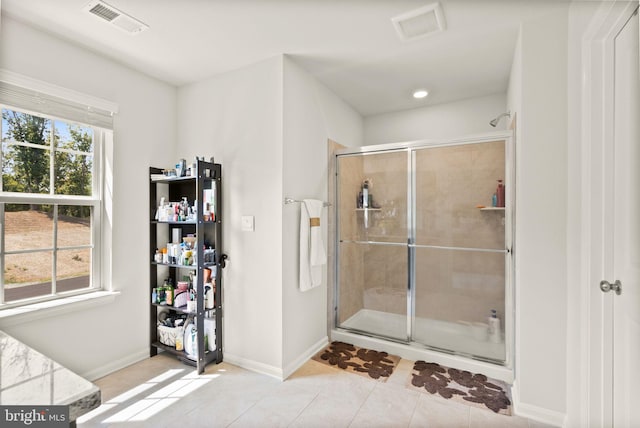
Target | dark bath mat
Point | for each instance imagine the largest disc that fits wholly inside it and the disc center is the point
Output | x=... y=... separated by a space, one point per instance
x=365 y=362
x=462 y=386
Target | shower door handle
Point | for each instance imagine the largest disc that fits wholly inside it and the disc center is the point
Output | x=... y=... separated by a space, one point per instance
x=606 y=286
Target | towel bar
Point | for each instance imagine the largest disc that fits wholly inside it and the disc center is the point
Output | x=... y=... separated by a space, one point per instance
x=288 y=201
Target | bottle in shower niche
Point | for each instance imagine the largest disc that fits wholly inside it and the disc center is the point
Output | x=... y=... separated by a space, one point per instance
x=365 y=194
x=495 y=333
x=500 y=194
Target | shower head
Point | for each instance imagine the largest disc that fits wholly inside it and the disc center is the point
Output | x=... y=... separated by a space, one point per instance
x=495 y=121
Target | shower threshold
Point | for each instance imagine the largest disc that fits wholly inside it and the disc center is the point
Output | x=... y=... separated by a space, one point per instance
x=448 y=336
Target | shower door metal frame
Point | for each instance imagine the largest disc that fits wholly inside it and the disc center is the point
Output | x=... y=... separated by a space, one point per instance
x=385 y=148
x=410 y=148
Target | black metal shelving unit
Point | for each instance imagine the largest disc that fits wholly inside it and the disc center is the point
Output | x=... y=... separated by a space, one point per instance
x=209 y=232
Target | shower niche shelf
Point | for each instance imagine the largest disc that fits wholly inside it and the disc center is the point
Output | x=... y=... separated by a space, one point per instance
x=366 y=221
x=492 y=209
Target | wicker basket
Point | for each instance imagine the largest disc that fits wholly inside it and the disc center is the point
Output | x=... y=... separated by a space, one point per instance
x=167 y=335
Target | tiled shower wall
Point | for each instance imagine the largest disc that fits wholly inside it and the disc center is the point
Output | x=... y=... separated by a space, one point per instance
x=351 y=262
x=451 y=285
x=451 y=182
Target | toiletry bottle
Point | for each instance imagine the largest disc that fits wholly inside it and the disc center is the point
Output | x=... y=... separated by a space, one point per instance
x=365 y=194
x=494 y=200
x=495 y=334
x=169 y=292
x=162 y=296
x=500 y=194
x=179 y=339
x=208 y=297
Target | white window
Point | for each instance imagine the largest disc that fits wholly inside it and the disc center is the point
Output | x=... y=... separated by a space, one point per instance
x=50 y=198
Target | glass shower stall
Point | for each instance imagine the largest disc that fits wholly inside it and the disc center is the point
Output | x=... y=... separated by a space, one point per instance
x=424 y=245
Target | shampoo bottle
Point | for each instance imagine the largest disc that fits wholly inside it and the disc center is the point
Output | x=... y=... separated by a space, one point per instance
x=495 y=333
x=500 y=193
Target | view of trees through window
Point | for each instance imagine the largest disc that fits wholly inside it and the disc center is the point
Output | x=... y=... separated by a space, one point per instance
x=45 y=158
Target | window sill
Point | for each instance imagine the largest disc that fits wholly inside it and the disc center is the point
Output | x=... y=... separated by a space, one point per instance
x=22 y=314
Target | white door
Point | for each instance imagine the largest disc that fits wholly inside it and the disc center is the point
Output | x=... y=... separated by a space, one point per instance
x=626 y=234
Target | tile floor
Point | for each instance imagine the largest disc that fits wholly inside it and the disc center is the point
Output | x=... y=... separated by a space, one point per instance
x=163 y=392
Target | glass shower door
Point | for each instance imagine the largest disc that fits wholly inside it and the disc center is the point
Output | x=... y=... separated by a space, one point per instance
x=372 y=243
x=459 y=249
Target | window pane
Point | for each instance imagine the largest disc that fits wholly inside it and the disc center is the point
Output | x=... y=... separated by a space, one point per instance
x=73 y=174
x=74 y=160
x=73 y=269
x=74 y=225
x=27 y=275
x=25 y=169
x=74 y=137
x=28 y=227
x=25 y=128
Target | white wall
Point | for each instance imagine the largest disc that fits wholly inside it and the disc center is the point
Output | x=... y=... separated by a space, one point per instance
x=541 y=215
x=312 y=114
x=268 y=125
x=237 y=118
x=455 y=119
x=95 y=341
x=514 y=92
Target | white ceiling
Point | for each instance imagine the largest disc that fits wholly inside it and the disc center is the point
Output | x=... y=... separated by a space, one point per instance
x=349 y=45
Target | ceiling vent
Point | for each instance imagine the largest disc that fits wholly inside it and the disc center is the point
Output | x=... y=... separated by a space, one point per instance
x=110 y=14
x=420 y=23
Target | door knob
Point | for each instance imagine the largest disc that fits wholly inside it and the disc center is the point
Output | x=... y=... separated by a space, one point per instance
x=606 y=286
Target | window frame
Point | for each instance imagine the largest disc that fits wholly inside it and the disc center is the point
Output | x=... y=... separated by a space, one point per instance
x=95 y=201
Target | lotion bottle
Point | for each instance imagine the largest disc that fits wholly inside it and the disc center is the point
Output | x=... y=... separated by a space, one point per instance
x=495 y=333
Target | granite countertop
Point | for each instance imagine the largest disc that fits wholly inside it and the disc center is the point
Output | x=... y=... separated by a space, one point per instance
x=29 y=378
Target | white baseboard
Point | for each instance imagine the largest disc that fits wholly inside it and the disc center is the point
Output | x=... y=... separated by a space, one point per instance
x=305 y=356
x=113 y=366
x=273 y=371
x=254 y=366
x=538 y=414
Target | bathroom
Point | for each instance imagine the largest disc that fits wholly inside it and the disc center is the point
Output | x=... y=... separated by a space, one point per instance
x=268 y=122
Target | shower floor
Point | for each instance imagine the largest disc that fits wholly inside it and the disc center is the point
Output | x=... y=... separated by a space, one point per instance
x=438 y=334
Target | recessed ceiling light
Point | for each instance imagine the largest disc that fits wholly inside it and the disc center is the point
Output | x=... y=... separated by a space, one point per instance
x=420 y=93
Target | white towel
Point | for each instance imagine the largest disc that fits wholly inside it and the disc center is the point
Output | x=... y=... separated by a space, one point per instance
x=312 y=253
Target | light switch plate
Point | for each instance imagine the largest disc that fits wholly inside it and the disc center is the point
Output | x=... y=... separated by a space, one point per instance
x=247 y=222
